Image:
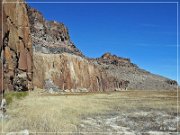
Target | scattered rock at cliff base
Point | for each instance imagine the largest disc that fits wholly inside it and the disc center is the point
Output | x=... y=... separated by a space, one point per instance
x=51 y=87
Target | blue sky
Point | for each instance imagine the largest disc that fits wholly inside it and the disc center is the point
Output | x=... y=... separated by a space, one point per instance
x=145 y=33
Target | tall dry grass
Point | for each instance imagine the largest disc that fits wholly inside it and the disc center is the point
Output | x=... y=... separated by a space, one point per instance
x=47 y=113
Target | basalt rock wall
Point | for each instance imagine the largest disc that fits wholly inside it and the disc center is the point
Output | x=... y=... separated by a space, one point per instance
x=16 y=48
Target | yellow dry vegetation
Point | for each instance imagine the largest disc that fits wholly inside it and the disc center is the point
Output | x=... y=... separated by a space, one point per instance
x=40 y=112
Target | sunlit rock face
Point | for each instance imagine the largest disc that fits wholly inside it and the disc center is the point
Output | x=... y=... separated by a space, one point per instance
x=140 y=79
x=71 y=72
x=59 y=64
x=16 y=50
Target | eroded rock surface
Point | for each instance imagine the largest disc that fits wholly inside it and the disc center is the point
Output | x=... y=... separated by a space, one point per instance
x=16 y=52
x=71 y=72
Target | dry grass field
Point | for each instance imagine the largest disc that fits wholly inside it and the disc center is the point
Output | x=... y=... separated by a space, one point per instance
x=126 y=112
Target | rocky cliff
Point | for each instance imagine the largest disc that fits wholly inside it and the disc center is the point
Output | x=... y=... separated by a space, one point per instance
x=69 y=72
x=1 y=42
x=59 y=64
x=50 y=37
x=16 y=52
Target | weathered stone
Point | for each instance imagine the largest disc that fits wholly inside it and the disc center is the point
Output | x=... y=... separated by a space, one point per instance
x=70 y=72
x=8 y=58
x=29 y=63
x=50 y=36
x=17 y=47
x=1 y=78
x=22 y=63
x=50 y=86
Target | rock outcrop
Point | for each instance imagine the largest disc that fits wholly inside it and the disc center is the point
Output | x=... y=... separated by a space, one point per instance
x=50 y=37
x=63 y=66
x=58 y=63
x=140 y=79
x=71 y=72
x=16 y=52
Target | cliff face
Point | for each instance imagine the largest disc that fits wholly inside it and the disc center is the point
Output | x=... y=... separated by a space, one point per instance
x=70 y=72
x=1 y=73
x=16 y=52
x=59 y=64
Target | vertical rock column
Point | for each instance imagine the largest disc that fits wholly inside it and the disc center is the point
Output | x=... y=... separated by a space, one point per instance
x=17 y=48
x=1 y=73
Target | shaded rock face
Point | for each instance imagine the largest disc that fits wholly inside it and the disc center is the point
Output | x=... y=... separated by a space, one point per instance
x=49 y=37
x=16 y=50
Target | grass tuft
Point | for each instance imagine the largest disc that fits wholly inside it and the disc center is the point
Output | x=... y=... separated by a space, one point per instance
x=10 y=96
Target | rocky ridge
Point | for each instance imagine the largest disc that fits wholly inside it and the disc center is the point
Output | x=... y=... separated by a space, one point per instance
x=123 y=68
x=70 y=69
x=50 y=37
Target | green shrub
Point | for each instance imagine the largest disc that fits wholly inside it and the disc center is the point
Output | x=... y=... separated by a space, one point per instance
x=9 y=96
